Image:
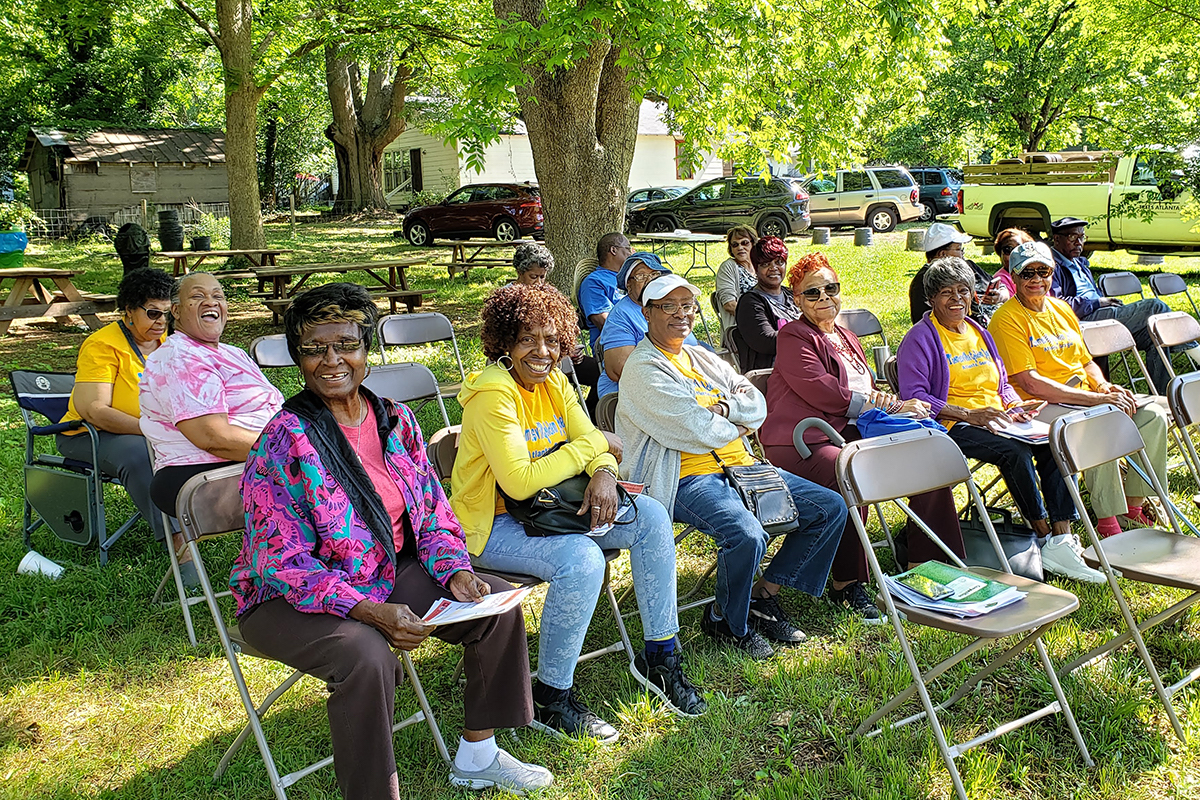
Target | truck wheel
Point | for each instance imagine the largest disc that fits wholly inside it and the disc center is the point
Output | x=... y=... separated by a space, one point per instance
x=881 y=219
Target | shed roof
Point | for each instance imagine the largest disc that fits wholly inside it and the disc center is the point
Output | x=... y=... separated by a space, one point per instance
x=163 y=145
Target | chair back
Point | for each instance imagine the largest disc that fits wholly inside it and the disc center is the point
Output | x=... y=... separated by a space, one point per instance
x=271 y=351
x=606 y=413
x=442 y=449
x=1118 y=284
x=1090 y=437
x=567 y=367
x=429 y=327
x=891 y=373
x=211 y=503
x=877 y=470
x=44 y=393
x=1183 y=397
x=861 y=322
x=1173 y=328
x=1167 y=283
x=1106 y=337
x=758 y=379
x=406 y=383
x=583 y=268
x=716 y=304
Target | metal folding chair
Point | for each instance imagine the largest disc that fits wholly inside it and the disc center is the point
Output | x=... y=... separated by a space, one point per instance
x=728 y=349
x=1171 y=330
x=65 y=495
x=862 y=322
x=1120 y=284
x=879 y=470
x=606 y=412
x=1165 y=284
x=271 y=351
x=1183 y=398
x=413 y=330
x=210 y=504
x=1091 y=437
x=568 y=368
x=1109 y=337
x=406 y=383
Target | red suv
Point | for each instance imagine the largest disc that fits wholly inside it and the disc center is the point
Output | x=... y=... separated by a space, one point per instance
x=505 y=210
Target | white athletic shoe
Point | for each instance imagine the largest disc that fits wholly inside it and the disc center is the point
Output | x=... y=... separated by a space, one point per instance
x=505 y=773
x=1062 y=555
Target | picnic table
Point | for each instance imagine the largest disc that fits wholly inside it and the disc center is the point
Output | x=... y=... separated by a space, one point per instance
x=263 y=258
x=394 y=286
x=698 y=241
x=29 y=298
x=462 y=261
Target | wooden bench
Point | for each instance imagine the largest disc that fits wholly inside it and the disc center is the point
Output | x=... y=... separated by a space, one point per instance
x=464 y=267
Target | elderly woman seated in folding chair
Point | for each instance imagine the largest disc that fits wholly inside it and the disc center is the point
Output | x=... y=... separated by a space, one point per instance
x=1039 y=339
x=203 y=402
x=348 y=539
x=766 y=308
x=523 y=430
x=108 y=367
x=821 y=372
x=950 y=362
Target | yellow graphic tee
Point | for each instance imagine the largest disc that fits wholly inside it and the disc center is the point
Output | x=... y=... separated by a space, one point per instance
x=1049 y=341
x=974 y=376
x=735 y=453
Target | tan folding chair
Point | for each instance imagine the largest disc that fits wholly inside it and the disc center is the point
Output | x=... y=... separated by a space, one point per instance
x=862 y=322
x=414 y=330
x=1091 y=437
x=1171 y=330
x=1166 y=284
x=1109 y=337
x=406 y=383
x=271 y=351
x=210 y=504
x=728 y=349
x=567 y=366
x=880 y=470
x=1183 y=398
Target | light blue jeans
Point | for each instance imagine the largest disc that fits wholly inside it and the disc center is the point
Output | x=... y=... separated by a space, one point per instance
x=573 y=565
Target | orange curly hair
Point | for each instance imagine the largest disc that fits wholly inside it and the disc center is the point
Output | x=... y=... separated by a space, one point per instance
x=809 y=262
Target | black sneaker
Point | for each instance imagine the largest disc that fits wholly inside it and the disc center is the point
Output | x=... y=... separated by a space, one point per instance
x=568 y=716
x=665 y=678
x=856 y=597
x=768 y=618
x=752 y=644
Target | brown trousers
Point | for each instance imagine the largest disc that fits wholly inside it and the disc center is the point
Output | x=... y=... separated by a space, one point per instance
x=362 y=673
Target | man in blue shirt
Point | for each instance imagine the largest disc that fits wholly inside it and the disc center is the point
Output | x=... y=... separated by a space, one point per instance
x=1073 y=282
x=598 y=290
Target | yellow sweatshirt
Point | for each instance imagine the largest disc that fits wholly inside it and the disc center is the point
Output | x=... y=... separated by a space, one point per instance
x=493 y=448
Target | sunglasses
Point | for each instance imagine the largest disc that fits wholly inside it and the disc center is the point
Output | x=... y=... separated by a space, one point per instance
x=1031 y=273
x=310 y=350
x=830 y=290
x=1006 y=249
x=153 y=314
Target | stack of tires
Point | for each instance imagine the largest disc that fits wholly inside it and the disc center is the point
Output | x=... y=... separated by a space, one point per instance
x=170 y=231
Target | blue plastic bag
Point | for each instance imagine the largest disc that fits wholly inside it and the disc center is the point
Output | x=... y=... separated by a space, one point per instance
x=876 y=422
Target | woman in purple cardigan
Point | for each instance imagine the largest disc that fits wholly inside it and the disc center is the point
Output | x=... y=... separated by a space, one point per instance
x=950 y=362
x=821 y=371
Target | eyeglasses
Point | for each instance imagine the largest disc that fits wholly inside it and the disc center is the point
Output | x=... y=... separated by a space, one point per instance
x=1031 y=273
x=315 y=349
x=672 y=308
x=153 y=314
x=1006 y=249
x=643 y=277
x=1074 y=237
x=830 y=290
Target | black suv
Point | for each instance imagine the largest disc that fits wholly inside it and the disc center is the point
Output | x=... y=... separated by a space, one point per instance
x=939 y=190
x=775 y=207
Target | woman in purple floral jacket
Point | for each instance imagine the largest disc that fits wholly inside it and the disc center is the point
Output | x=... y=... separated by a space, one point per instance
x=349 y=538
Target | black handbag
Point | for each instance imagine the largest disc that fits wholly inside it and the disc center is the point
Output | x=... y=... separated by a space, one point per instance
x=554 y=511
x=764 y=494
x=1019 y=543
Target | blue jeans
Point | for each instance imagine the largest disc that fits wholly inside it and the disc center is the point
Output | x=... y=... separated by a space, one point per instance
x=803 y=561
x=1135 y=317
x=573 y=565
x=1015 y=460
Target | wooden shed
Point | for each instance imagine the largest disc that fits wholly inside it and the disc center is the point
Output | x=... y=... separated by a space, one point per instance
x=102 y=171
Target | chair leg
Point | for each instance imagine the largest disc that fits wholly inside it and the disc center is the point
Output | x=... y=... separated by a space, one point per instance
x=107 y=544
x=259 y=713
x=1063 y=705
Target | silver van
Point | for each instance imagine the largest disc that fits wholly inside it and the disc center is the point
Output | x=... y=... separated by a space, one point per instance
x=875 y=197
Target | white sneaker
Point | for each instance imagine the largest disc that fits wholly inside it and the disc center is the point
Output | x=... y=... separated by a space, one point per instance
x=505 y=773
x=1062 y=555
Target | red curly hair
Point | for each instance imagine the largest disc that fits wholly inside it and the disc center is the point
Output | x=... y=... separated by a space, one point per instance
x=510 y=307
x=809 y=262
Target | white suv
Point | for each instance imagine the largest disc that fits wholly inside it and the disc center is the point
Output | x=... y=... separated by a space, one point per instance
x=876 y=197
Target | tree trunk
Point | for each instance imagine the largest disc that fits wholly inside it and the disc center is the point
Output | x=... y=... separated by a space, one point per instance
x=242 y=93
x=364 y=123
x=582 y=126
x=269 y=178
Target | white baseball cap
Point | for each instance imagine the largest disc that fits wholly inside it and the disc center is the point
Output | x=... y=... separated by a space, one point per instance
x=940 y=234
x=662 y=286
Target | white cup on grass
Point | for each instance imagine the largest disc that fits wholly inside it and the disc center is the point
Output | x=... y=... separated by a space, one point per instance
x=34 y=563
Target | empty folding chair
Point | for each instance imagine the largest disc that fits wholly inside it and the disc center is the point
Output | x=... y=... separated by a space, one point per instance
x=862 y=322
x=879 y=470
x=728 y=349
x=271 y=351
x=1091 y=437
x=1120 y=284
x=413 y=330
x=1109 y=337
x=65 y=495
x=1165 y=284
x=1183 y=398
x=211 y=504
x=406 y=383
x=1171 y=330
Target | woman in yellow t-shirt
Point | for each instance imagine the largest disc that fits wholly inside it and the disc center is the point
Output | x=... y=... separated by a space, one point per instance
x=951 y=362
x=108 y=368
x=1040 y=341
x=523 y=430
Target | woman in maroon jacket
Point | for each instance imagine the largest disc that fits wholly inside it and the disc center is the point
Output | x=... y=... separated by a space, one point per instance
x=821 y=371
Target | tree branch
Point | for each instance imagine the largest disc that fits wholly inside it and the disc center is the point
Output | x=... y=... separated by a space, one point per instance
x=1175 y=11
x=201 y=23
x=297 y=54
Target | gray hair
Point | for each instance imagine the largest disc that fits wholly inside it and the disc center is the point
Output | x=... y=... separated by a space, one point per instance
x=946 y=272
x=529 y=256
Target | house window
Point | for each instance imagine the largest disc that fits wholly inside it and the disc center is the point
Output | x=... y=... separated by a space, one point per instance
x=143 y=179
x=83 y=167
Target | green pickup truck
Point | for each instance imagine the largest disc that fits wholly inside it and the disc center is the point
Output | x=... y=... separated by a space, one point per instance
x=1040 y=187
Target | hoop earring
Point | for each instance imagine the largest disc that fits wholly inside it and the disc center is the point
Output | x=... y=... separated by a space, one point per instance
x=500 y=361
x=368 y=371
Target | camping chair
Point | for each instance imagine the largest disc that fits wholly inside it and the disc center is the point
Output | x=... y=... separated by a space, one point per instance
x=411 y=330
x=1091 y=437
x=1120 y=284
x=65 y=495
x=1109 y=337
x=406 y=383
x=210 y=504
x=879 y=470
x=1165 y=284
x=442 y=449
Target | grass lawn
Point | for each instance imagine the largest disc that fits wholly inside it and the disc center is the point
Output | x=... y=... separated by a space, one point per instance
x=101 y=696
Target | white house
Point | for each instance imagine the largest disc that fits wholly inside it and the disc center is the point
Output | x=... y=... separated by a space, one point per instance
x=417 y=161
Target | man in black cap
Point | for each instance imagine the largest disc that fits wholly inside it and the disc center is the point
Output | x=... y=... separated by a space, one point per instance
x=1073 y=282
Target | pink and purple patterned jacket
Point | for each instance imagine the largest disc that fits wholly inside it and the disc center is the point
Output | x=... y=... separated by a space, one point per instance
x=306 y=540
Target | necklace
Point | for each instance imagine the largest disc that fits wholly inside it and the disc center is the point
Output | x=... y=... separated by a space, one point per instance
x=844 y=349
x=362 y=417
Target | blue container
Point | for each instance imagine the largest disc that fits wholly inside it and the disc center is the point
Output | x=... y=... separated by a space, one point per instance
x=13 y=242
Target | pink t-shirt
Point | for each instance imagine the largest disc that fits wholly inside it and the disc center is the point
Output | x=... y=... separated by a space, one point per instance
x=364 y=440
x=185 y=379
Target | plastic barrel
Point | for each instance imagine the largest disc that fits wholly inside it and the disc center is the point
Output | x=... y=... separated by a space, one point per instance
x=862 y=237
x=916 y=240
x=820 y=235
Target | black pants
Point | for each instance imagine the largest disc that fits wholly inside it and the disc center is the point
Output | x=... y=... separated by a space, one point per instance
x=166 y=483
